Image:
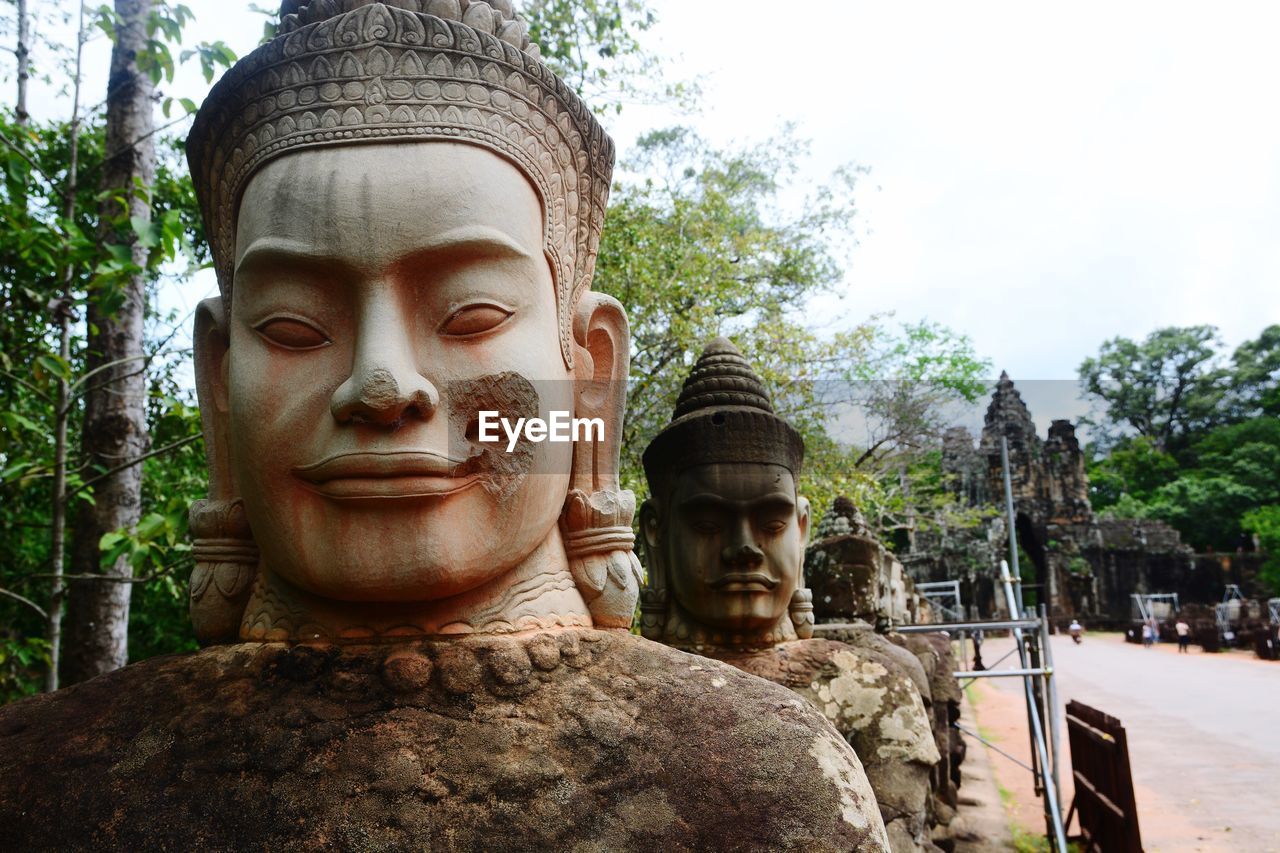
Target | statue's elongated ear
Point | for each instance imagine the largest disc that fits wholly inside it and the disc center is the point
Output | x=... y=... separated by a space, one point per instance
x=654 y=597
x=803 y=514
x=596 y=522
x=603 y=342
x=653 y=556
x=212 y=342
x=226 y=558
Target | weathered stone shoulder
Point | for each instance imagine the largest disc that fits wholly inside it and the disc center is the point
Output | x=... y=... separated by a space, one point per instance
x=569 y=740
x=863 y=692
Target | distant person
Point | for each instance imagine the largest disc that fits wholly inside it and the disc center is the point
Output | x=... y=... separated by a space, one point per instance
x=1184 y=636
x=1147 y=635
x=1076 y=630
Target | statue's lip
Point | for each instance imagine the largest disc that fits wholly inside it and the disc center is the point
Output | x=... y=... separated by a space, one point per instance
x=739 y=581
x=393 y=474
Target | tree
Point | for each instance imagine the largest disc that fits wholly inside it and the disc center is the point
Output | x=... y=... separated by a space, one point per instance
x=53 y=264
x=1165 y=387
x=1205 y=492
x=1134 y=468
x=698 y=244
x=906 y=382
x=22 y=52
x=696 y=248
x=1264 y=522
x=595 y=46
x=1256 y=375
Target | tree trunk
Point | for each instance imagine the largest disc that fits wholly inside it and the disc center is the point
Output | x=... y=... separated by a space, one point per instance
x=62 y=408
x=23 y=54
x=115 y=423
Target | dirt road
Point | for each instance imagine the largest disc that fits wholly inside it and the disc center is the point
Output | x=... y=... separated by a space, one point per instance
x=1204 y=738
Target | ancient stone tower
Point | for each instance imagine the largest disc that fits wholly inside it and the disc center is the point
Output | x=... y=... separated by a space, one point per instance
x=1080 y=563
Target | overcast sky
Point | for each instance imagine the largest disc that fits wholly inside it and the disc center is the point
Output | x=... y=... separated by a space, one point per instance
x=1043 y=176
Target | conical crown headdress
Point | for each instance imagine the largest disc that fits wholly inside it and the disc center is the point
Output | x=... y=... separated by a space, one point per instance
x=723 y=415
x=344 y=72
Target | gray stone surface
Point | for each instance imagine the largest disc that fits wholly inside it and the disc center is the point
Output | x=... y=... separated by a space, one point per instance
x=871 y=699
x=574 y=740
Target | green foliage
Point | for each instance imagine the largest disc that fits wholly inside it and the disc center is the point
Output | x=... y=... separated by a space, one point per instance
x=1264 y=522
x=1256 y=380
x=595 y=46
x=695 y=249
x=1191 y=439
x=699 y=244
x=1164 y=388
x=21 y=657
x=1133 y=467
x=1205 y=509
x=1204 y=492
x=52 y=267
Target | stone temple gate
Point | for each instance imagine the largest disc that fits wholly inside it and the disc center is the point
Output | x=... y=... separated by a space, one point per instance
x=1081 y=563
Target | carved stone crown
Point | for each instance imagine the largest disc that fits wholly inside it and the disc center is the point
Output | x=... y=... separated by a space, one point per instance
x=497 y=17
x=723 y=415
x=345 y=72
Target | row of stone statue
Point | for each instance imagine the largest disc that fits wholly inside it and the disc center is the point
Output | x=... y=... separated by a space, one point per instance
x=419 y=639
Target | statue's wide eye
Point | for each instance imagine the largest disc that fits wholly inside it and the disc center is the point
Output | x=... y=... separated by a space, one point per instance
x=293 y=334
x=475 y=320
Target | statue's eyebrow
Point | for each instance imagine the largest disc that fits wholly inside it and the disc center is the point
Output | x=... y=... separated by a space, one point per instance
x=468 y=242
x=268 y=252
x=775 y=501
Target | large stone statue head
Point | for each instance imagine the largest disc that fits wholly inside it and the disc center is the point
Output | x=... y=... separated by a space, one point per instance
x=404 y=207
x=725 y=529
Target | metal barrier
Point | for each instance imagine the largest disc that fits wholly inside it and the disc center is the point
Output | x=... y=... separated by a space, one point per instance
x=945 y=596
x=1104 y=797
x=1227 y=613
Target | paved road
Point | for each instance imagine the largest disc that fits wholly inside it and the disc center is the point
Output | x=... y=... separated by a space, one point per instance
x=1204 y=737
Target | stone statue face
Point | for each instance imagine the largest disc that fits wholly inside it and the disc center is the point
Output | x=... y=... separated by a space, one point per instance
x=734 y=544
x=384 y=294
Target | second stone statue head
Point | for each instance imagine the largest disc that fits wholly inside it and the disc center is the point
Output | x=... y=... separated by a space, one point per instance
x=725 y=528
x=404 y=207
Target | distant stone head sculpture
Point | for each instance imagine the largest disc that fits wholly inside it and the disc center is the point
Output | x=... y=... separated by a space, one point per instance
x=725 y=529
x=404 y=206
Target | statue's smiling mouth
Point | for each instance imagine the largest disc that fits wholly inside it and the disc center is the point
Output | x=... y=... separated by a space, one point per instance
x=398 y=474
x=745 y=582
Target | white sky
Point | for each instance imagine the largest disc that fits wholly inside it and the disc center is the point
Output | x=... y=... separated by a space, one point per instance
x=1044 y=176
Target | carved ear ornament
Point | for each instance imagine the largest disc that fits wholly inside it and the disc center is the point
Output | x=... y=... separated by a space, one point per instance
x=226 y=566
x=653 y=613
x=801 y=612
x=600 y=545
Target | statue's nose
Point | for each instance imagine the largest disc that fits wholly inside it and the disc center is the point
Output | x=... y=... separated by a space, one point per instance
x=744 y=556
x=383 y=396
x=385 y=386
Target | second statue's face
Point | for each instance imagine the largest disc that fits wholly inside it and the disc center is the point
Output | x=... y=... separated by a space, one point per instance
x=383 y=296
x=735 y=536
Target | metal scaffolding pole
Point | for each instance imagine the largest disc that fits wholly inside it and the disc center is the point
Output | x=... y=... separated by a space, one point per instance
x=1040 y=754
x=1014 y=613
x=1051 y=697
x=1053 y=808
x=976 y=625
